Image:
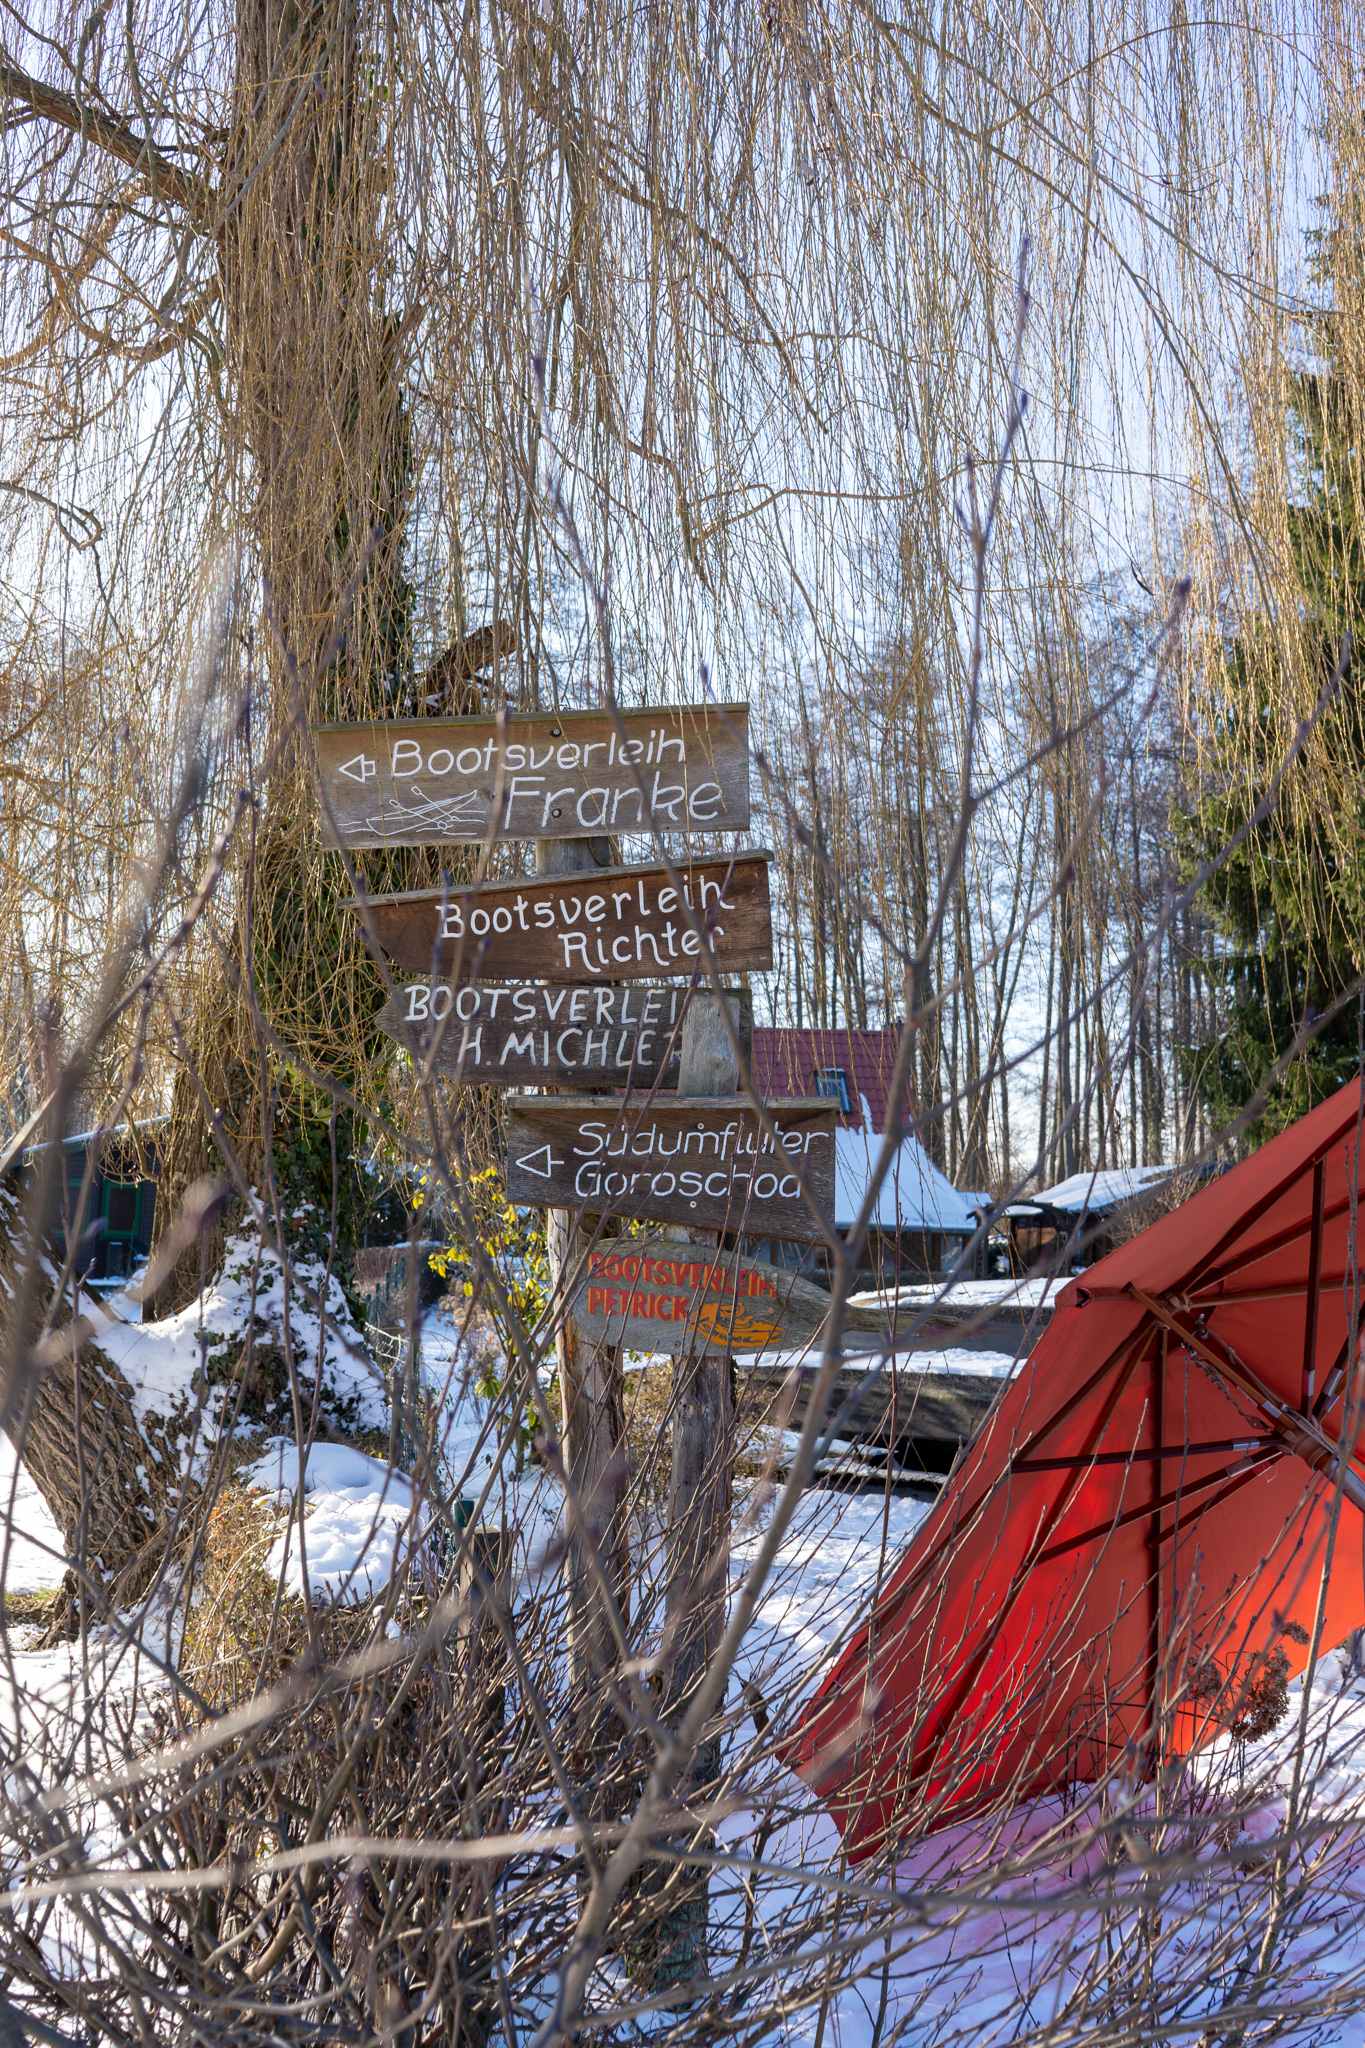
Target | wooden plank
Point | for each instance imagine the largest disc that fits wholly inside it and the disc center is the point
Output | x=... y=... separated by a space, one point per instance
x=544 y=775
x=519 y=1037
x=607 y=924
x=658 y=1295
x=700 y=1161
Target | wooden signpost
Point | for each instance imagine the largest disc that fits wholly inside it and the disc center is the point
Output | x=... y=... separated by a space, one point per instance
x=656 y=1295
x=536 y=1034
x=599 y=924
x=706 y=1162
x=542 y=775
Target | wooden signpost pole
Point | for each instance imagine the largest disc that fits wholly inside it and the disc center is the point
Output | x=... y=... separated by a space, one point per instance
x=592 y=1407
x=700 y=1504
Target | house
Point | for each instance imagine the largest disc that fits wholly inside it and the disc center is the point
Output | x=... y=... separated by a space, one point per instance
x=1078 y=1209
x=121 y=1207
x=921 y=1222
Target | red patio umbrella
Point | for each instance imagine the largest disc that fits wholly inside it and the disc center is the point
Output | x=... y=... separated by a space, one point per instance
x=1133 y=1546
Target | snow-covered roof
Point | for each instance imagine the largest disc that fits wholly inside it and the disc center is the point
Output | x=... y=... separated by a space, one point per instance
x=1100 y=1190
x=106 y=1133
x=914 y=1196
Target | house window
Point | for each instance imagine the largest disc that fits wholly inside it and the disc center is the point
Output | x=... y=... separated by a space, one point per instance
x=122 y=1206
x=833 y=1081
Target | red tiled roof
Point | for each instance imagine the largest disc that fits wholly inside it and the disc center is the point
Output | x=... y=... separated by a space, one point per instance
x=786 y=1060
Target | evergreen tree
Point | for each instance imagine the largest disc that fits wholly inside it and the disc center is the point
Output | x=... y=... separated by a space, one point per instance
x=1288 y=903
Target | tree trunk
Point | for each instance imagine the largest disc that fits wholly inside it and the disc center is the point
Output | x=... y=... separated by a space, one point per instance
x=109 y=1479
x=317 y=414
x=700 y=1508
x=592 y=1394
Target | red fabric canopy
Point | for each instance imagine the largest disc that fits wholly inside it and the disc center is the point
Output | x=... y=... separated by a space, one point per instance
x=1112 y=1570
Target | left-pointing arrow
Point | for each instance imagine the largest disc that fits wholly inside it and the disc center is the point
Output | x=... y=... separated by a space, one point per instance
x=528 y=1160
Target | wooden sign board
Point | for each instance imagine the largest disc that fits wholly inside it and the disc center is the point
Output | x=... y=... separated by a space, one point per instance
x=541 y=775
x=651 y=1295
x=698 y=1159
x=596 y=924
x=518 y=1037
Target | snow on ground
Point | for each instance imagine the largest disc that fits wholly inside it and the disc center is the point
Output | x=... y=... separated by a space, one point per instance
x=360 y=1520
x=962 y=1977
x=826 y=1570
x=34 y=1555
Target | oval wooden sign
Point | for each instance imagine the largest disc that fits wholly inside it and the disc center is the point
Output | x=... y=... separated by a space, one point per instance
x=597 y=924
x=694 y=1159
x=536 y=775
x=652 y=1295
x=518 y=1037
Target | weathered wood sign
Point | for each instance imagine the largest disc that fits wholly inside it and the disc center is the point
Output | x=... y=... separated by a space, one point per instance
x=515 y=1037
x=542 y=775
x=598 y=924
x=655 y=1296
x=701 y=1160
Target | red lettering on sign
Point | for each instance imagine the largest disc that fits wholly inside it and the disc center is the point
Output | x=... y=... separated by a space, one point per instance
x=681 y=1305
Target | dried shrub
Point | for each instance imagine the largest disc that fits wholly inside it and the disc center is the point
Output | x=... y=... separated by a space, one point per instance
x=232 y=1624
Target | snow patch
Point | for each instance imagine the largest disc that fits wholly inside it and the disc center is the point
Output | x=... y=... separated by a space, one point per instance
x=166 y=1364
x=33 y=1553
x=361 y=1523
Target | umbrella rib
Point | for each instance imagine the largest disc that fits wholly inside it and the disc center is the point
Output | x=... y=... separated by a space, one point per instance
x=1111 y=1364
x=1303 y=1435
x=1191 y=1488
x=944 y=1713
x=1268 y=1201
x=1333 y=1379
x=1227 y=1367
x=1204 y=1450
x=1198 y=1298
x=1249 y=1256
x=895 y=1602
x=1242 y=1476
x=1310 y=1321
x=1283 y=1290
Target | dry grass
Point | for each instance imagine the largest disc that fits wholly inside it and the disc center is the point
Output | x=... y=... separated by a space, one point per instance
x=232 y=1626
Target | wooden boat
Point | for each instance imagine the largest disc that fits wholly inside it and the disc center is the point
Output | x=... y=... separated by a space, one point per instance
x=912 y=1405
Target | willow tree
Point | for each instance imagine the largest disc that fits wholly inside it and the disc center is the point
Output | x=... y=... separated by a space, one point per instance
x=345 y=345
x=622 y=347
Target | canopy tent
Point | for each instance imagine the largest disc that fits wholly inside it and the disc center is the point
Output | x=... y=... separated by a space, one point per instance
x=914 y=1196
x=1133 y=1548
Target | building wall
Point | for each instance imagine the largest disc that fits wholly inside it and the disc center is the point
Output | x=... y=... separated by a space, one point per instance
x=121 y=1208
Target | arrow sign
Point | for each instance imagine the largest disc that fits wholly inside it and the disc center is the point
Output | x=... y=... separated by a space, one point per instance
x=701 y=1160
x=541 y=775
x=527 y=1163
x=537 y=1036
x=598 y=924
x=652 y=1295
